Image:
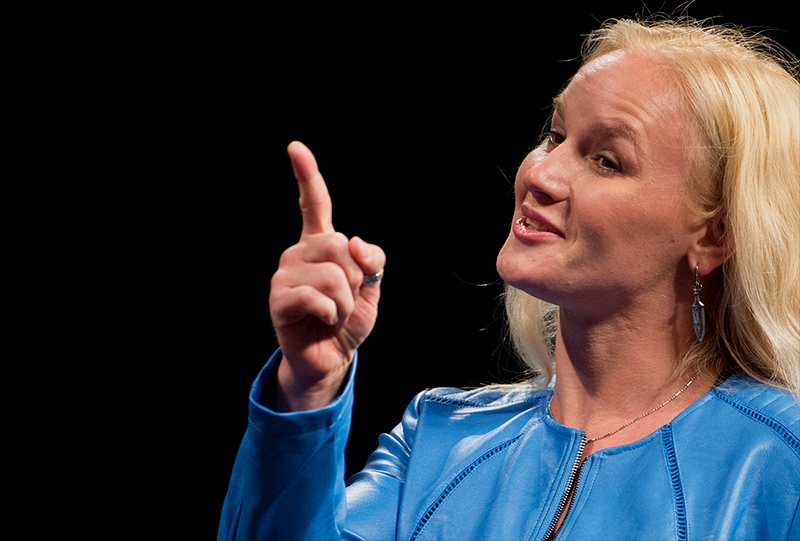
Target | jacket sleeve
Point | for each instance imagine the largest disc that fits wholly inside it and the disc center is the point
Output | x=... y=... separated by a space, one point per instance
x=288 y=477
x=794 y=527
x=374 y=494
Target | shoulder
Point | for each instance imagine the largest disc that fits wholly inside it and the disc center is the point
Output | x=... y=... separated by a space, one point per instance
x=495 y=400
x=449 y=418
x=760 y=405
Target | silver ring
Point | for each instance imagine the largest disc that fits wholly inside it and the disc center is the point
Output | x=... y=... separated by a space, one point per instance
x=372 y=279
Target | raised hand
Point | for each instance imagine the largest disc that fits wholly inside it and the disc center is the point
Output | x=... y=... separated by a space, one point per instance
x=320 y=306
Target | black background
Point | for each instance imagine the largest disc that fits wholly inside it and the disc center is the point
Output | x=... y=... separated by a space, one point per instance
x=418 y=117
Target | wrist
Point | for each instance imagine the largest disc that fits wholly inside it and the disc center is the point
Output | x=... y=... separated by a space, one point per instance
x=288 y=391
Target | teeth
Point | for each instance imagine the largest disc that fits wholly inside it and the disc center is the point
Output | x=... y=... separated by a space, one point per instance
x=533 y=224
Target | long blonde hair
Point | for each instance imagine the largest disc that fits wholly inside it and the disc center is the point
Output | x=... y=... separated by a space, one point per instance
x=745 y=97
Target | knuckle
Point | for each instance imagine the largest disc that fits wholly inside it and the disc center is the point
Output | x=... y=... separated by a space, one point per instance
x=277 y=280
x=289 y=256
x=305 y=296
x=330 y=247
x=338 y=243
x=332 y=277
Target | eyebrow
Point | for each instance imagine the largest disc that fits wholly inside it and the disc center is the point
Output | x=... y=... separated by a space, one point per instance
x=614 y=128
x=558 y=105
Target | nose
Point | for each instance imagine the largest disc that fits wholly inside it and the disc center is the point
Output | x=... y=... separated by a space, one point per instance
x=544 y=174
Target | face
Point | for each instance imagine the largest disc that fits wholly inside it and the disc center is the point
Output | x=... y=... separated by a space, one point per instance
x=601 y=217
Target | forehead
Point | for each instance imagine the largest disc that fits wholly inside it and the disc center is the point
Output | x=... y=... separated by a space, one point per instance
x=612 y=128
x=645 y=71
x=634 y=94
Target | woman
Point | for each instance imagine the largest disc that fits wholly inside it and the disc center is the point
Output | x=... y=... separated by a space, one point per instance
x=668 y=181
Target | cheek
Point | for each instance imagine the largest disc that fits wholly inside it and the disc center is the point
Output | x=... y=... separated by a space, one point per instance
x=639 y=226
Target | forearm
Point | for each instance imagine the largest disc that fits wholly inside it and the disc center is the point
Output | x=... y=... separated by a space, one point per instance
x=288 y=478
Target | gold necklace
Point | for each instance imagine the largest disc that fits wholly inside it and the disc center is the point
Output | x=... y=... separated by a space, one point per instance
x=641 y=416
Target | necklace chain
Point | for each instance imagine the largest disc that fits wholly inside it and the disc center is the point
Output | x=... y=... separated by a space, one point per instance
x=642 y=415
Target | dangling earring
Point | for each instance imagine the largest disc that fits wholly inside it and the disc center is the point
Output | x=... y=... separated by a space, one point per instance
x=698 y=308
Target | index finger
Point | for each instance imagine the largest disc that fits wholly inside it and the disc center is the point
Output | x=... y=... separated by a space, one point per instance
x=315 y=201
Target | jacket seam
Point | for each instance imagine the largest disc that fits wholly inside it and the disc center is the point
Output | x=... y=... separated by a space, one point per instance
x=450 y=488
x=450 y=402
x=457 y=403
x=681 y=527
x=777 y=427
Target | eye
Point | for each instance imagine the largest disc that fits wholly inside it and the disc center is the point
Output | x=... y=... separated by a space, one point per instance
x=554 y=138
x=607 y=163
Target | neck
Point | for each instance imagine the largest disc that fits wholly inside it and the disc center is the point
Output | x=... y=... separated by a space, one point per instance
x=611 y=371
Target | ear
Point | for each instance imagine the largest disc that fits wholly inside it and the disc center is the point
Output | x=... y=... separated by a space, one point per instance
x=710 y=248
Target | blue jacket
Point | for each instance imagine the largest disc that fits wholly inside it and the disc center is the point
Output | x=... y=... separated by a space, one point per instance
x=492 y=464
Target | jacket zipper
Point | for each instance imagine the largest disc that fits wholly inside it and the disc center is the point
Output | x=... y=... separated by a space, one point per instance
x=576 y=467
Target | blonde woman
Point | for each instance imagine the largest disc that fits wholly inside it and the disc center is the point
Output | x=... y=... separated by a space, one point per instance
x=660 y=217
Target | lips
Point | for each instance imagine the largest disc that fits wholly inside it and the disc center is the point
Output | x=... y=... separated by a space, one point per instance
x=534 y=222
x=536 y=226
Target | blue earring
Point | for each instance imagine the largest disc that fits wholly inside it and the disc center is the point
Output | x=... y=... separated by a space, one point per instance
x=698 y=308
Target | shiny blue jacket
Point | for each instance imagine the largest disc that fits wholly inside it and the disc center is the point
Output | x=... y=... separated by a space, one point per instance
x=493 y=464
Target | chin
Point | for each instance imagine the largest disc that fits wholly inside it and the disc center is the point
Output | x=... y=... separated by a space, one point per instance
x=520 y=270
x=514 y=266
x=506 y=266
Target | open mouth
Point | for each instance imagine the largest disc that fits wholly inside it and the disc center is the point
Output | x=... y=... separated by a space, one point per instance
x=532 y=221
x=533 y=225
